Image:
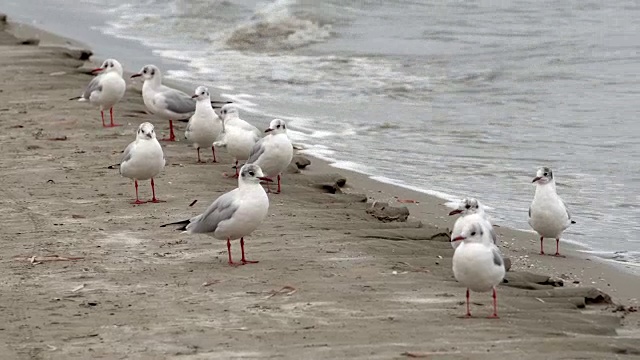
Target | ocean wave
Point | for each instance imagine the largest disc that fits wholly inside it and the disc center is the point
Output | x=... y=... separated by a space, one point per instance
x=274 y=27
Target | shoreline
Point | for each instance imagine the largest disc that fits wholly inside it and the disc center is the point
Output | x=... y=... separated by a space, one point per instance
x=147 y=292
x=610 y=275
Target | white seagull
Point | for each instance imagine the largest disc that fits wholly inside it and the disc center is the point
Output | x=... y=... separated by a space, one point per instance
x=273 y=153
x=234 y=214
x=477 y=263
x=548 y=213
x=239 y=136
x=231 y=116
x=472 y=212
x=106 y=89
x=143 y=159
x=204 y=126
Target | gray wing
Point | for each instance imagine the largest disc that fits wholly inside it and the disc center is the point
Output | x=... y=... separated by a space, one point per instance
x=179 y=102
x=222 y=209
x=566 y=209
x=94 y=85
x=497 y=257
x=257 y=151
x=128 y=152
x=493 y=234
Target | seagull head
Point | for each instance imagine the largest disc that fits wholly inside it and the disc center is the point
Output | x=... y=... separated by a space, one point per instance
x=148 y=72
x=146 y=131
x=252 y=174
x=467 y=206
x=277 y=126
x=202 y=93
x=109 y=65
x=228 y=111
x=543 y=176
x=471 y=232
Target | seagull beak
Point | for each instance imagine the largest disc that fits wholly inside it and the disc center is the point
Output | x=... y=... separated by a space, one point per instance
x=268 y=130
x=264 y=178
x=456 y=211
x=194 y=96
x=96 y=70
x=136 y=75
x=457 y=238
x=536 y=179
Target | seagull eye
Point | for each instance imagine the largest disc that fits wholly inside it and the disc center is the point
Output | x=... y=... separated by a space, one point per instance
x=473 y=233
x=467 y=206
x=251 y=173
x=546 y=174
x=144 y=71
x=278 y=127
x=153 y=72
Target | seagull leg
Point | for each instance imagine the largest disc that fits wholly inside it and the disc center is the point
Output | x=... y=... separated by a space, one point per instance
x=198 y=149
x=102 y=114
x=172 y=135
x=245 y=261
x=137 y=202
x=558 y=248
x=231 y=263
x=213 y=149
x=153 y=191
x=278 y=184
x=111 y=114
x=468 y=314
x=541 y=247
x=237 y=169
x=495 y=305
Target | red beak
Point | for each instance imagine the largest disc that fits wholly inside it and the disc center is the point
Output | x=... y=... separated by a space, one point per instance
x=268 y=130
x=135 y=75
x=536 y=179
x=456 y=211
x=457 y=238
x=194 y=96
x=96 y=70
x=264 y=178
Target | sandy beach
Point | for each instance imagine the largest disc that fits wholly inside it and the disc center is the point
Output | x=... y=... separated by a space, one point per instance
x=86 y=275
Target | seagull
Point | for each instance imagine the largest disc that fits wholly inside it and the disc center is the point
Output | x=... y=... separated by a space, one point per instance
x=143 y=159
x=548 y=213
x=477 y=263
x=234 y=214
x=106 y=89
x=231 y=116
x=239 y=136
x=273 y=153
x=163 y=101
x=472 y=212
x=204 y=126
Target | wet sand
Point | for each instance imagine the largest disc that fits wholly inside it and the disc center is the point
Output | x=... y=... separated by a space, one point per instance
x=333 y=282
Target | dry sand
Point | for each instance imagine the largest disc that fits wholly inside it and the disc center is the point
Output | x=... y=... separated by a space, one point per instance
x=333 y=282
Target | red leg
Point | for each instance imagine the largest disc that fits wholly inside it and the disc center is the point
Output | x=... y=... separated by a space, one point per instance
x=495 y=305
x=137 y=202
x=231 y=263
x=153 y=191
x=237 y=170
x=213 y=149
x=558 y=248
x=541 y=247
x=172 y=136
x=468 y=314
x=244 y=260
x=112 y=123
x=102 y=114
x=278 y=184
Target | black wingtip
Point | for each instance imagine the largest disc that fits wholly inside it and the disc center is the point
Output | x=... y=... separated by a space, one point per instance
x=75 y=98
x=573 y=222
x=184 y=224
x=114 y=166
